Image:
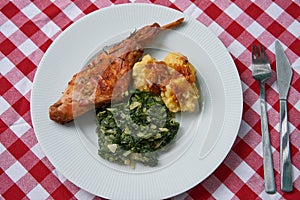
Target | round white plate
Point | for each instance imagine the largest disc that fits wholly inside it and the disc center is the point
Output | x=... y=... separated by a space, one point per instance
x=204 y=139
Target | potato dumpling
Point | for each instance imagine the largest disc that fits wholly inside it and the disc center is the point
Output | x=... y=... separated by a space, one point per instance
x=138 y=73
x=173 y=79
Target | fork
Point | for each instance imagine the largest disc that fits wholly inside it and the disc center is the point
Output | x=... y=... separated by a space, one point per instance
x=262 y=72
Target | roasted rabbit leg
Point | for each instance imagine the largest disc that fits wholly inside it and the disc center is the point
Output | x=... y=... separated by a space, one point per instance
x=107 y=75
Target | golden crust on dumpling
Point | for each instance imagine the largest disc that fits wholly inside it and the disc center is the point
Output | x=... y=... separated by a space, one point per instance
x=173 y=78
x=139 y=75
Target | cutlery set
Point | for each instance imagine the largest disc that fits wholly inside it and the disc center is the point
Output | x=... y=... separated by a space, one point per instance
x=262 y=72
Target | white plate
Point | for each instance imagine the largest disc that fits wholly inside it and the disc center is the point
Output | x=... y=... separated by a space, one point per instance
x=204 y=139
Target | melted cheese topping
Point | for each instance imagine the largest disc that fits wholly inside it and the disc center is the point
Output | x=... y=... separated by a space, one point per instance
x=173 y=78
x=139 y=75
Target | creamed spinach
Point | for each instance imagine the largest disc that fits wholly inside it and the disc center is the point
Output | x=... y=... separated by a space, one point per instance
x=136 y=130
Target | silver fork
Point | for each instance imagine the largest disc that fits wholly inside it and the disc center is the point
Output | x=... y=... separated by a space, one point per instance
x=262 y=72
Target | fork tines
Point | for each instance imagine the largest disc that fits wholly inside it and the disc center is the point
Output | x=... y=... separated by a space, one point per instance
x=258 y=52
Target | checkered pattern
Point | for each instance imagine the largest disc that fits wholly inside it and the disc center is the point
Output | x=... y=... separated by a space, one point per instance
x=28 y=28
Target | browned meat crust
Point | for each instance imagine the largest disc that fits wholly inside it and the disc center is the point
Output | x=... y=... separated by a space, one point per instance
x=106 y=76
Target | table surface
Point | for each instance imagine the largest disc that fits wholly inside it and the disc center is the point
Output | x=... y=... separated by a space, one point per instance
x=28 y=28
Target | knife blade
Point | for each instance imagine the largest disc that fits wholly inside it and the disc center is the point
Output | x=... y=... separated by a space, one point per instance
x=284 y=77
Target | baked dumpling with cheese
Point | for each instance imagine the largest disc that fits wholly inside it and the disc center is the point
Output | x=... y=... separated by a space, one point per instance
x=173 y=79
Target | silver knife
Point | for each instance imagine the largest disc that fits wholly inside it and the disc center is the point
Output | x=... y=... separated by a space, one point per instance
x=284 y=77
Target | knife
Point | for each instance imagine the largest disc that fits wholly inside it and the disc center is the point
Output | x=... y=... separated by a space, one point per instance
x=284 y=77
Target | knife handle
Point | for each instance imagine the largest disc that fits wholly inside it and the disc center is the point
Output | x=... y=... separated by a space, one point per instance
x=285 y=158
x=270 y=186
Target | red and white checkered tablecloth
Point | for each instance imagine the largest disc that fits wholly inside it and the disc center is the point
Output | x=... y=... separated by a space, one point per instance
x=27 y=28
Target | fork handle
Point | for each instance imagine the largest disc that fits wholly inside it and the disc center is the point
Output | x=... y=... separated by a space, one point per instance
x=285 y=158
x=270 y=186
